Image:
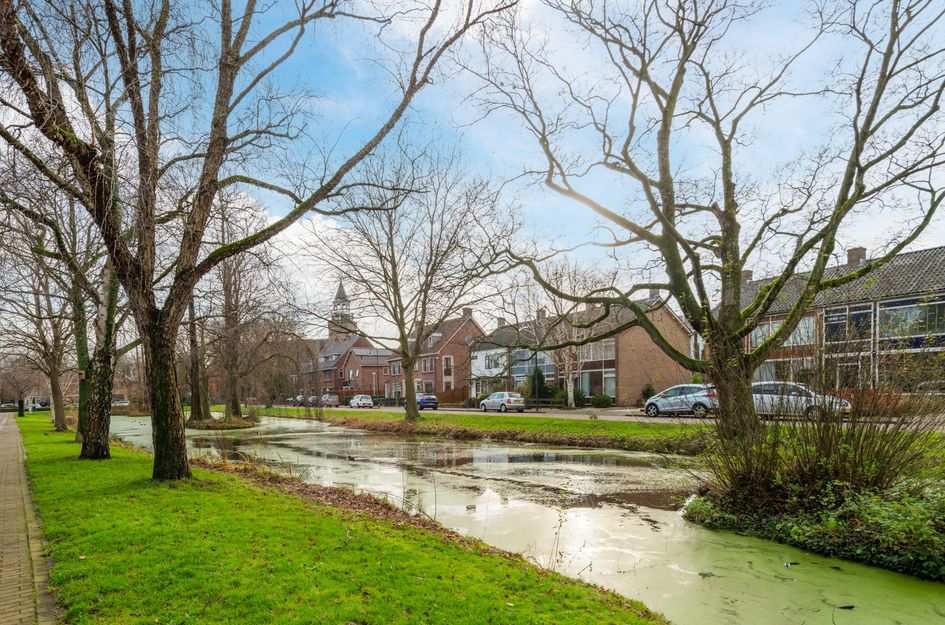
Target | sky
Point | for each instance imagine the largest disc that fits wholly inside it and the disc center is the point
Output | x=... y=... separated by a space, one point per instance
x=344 y=67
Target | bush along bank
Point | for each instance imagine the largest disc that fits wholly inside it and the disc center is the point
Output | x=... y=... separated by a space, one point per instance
x=895 y=530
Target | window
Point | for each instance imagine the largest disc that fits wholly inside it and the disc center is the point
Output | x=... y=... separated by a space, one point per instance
x=912 y=318
x=803 y=334
x=447 y=366
x=495 y=361
x=387 y=370
x=610 y=383
x=601 y=350
x=447 y=386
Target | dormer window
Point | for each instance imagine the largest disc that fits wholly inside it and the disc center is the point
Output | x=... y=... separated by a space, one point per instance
x=433 y=339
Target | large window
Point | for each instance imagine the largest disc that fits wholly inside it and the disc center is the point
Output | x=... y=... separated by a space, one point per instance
x=524 y=360
x=848 y=323
x=803 y=334
x=912 y=318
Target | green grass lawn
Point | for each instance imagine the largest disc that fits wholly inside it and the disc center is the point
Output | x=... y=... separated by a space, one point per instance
x=218 y=548
x=664 y=437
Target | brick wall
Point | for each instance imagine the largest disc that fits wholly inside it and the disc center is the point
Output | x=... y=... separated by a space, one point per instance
x=641 y=361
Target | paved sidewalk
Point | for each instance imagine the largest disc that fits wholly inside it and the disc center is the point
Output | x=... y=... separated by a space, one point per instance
x=24 y=576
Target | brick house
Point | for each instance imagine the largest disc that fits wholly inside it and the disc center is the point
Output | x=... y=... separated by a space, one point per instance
x=861 y=332
x=619 y=366
x=363 y=370
x=443 y=364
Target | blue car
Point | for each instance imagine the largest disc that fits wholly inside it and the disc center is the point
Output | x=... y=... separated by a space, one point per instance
x=427 y=400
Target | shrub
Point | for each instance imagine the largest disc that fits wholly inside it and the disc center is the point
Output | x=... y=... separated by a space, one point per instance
x=561 y=397
x=648 y=391
x=897 y=531
x=697 y=378
x=602 y=401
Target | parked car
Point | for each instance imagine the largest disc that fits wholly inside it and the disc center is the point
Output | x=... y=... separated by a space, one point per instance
x=931 y=387
x=427 y=400
x=361 y=401
x=313 y=400
x=330 y=400
x=298 y=400
x=793 y=399
x=503 y=402
x=695 y=399
x=121 y=403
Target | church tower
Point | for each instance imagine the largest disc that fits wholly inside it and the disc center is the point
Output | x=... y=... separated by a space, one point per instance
x=341 y=325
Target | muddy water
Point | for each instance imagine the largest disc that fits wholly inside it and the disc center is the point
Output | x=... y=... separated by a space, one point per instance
x=610 y=518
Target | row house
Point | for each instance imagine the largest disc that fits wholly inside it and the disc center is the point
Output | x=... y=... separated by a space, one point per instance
x=621 y=365
x=885 y=328
x=365 y=370
x=443 y=364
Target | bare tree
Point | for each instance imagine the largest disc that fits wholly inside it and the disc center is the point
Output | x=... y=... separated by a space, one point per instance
x=19 y=378
x=669 y=77
x=248 y=299
x=155 y=113
x=199 y=380
x=34 y=312
x=562 y=322
x=420 y=254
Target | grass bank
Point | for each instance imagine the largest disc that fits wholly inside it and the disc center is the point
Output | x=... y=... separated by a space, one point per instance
x=628 y=435
x=219 y=548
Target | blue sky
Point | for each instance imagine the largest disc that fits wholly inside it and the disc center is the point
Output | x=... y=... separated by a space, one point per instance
x=352 y=93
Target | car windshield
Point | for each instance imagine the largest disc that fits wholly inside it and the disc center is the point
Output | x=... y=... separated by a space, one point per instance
x=515 y=395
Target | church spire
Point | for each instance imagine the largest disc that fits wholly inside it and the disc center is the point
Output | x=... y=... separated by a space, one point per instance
x=341 y=325
x=340 y=296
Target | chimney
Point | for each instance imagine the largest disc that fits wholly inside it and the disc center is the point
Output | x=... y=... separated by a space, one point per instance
x=467 y=312
x=541 y=314
x=746 y=276
x=855 y=256
x=500 y=322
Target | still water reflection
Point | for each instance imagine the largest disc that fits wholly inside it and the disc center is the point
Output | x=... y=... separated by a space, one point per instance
x=610 y=518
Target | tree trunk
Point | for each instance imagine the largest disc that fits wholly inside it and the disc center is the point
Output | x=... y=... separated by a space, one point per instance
x=233 y=408
x=20 y=407
x=167 y=416
x=56 y=401
x=101 y=374
x=410 y=395
x=84 y=366
x=732 y=377
x=197 y=412
x=569 y=384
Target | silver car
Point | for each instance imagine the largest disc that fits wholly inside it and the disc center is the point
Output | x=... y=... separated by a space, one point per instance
x=694 y=399
x=793 y=399
x=503 y=402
